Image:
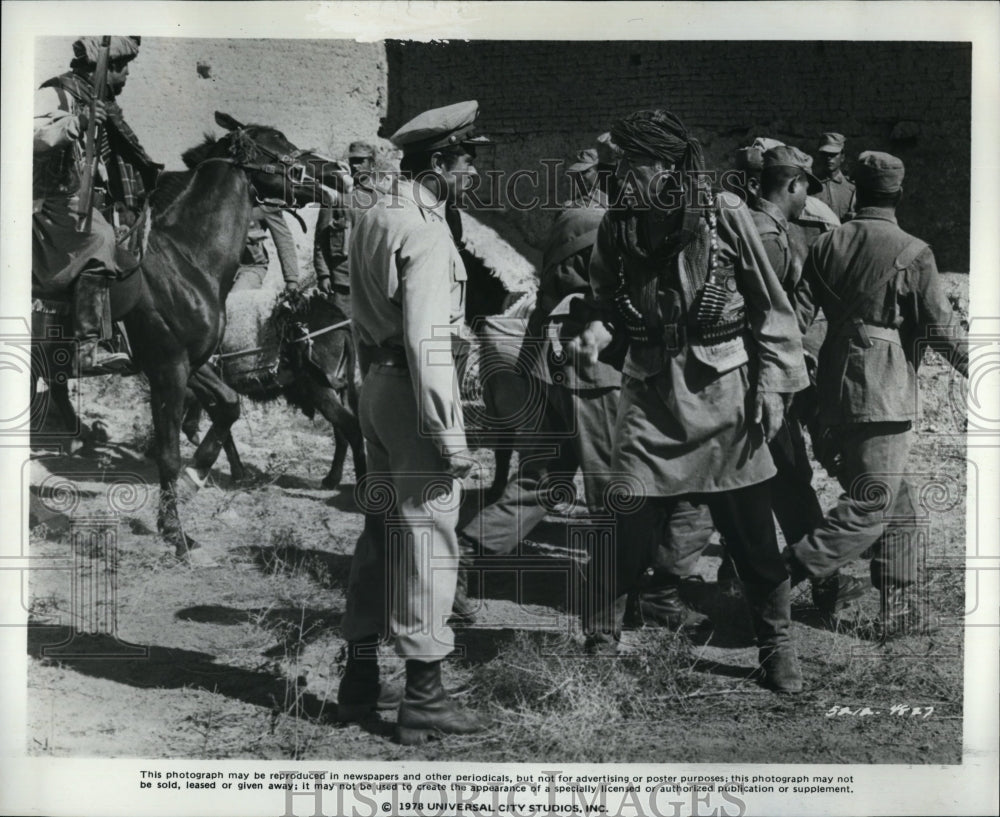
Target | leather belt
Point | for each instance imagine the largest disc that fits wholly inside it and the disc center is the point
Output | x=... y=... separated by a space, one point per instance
x=391 y=356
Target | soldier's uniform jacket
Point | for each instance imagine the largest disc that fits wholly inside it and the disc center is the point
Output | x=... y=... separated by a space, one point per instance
x=838 y=194
x=407 y=284
x=266 y=219
x=565 y=272
x=333 y=234
x=772 y=226
x=881 y=294
x=787 y=242
x=683 y=425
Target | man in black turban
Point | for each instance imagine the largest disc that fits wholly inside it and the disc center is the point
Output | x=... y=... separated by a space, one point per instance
x=682 y=285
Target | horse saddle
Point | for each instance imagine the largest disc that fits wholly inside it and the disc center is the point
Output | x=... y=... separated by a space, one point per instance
x=124 y=293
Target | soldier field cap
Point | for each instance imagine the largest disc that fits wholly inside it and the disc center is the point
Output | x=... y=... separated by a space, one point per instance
x=752 y=156
x=788 y=156
x=360 y=150
x=608 y=153
x=879 y=172
x=440 y=128
x=584 y=160
x=832 y=143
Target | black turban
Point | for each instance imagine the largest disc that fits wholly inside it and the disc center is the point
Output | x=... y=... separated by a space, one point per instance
x=661 y=134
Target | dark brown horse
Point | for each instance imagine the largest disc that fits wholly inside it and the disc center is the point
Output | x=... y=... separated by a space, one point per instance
x=174 y=313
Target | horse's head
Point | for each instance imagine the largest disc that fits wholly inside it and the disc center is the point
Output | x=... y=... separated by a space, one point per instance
x=276 y=168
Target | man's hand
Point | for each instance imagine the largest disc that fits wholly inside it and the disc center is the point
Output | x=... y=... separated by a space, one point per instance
x=593 y=340
x=769 y=413
x=324 y=285
x=291 y=286
x=459 y=464
x=100 y=114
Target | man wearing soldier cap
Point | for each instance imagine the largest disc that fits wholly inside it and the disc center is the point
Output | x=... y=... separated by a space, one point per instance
x=837 y=192
x=360 y=159
x=681 y=279
x=572 y=428
x=333 y=228
x=408 y=296
x=64 y=254
x=881 y=294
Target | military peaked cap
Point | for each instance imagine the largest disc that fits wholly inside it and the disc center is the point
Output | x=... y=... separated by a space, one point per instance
x=440 y=128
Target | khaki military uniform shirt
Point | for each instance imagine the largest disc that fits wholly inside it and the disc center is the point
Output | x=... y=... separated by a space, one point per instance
x=408 y=295
x=333 y=233
x=838 y=194
x=565 y=272
x=266 y=219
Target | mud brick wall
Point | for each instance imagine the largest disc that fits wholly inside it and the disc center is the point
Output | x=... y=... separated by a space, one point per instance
x=323 y=94
x=548 y=99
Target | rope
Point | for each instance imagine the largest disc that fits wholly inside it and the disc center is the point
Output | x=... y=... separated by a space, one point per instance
x=303 y=339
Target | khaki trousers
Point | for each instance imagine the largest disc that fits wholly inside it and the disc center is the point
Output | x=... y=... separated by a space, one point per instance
x=405 y=565
x=876 y=509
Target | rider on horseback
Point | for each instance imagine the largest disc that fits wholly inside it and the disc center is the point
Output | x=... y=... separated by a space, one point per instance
x=63 y=251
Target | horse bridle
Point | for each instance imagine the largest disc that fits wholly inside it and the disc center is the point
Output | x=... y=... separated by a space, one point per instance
x=296 y=172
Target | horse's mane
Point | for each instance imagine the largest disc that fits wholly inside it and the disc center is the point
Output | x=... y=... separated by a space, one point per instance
x=192 y=157
x=238 y=145
x=169 y=185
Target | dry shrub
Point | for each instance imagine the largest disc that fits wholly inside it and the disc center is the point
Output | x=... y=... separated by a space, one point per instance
x=554 y=703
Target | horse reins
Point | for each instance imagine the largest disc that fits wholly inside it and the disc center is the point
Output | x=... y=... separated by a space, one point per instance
x=303 y=339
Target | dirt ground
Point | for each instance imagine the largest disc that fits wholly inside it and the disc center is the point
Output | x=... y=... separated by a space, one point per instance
x=242 y=660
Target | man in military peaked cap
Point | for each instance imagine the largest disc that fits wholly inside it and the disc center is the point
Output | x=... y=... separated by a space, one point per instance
x=408 y=297
x=882 y=296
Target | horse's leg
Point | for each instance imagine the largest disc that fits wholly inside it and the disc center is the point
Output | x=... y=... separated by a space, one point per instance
x=336 y=472
x=223 y=406
x=191 y=428
x=236 y=469
x=502 y=474
x=167 y=385
x=191 y=423
x=346 y=423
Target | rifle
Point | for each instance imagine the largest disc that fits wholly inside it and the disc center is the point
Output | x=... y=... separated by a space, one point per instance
x=90 y=158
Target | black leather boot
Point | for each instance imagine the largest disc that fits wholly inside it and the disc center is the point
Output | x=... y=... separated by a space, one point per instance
x=92 y=315
x=361 y=692
x=770 y=608
x=661 y=605
x=427 y=710
x=835 y=593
